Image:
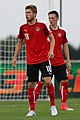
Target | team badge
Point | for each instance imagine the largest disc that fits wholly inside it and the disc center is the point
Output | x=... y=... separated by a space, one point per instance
x=59 y=34
x=37 y=29
x=27 y=36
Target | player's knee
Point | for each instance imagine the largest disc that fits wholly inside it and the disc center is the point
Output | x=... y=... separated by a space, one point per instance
x=47 y=81
x=62 y=81
x=31 y=84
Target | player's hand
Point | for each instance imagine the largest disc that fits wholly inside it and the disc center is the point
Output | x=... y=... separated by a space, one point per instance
x=14 y=61
x=68 y=65
x=50 y=55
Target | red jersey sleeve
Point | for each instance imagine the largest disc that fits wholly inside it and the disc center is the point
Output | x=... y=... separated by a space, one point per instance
x=65 y=38
x=20 y=35
x=46 y=31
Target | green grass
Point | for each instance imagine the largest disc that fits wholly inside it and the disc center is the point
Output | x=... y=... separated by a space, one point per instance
x=16 y=110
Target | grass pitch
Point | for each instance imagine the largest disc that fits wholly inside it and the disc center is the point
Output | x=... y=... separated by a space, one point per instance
x=16 y=110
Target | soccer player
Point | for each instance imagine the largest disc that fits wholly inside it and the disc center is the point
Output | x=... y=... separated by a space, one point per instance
x=59 y=68
x=35 y=35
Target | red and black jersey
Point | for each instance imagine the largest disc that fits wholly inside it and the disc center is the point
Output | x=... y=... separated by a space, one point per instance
x=60 y=40
x=35 y=38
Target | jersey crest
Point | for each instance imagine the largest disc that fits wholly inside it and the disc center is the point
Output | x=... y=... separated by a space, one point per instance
x=37 y=29
x=59 y=34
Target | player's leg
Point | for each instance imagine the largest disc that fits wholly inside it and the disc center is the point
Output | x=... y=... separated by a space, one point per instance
x=46 y=73
x=64 y=95
x=32 y=73
x=31 y=99
x=51 y=93
x=61 y=75
x=38 y=88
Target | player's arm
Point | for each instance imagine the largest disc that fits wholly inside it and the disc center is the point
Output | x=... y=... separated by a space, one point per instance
x=52 y=44
x=17 y=50
x=66 y=52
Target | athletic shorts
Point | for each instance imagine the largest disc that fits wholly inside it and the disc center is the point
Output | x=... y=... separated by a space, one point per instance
x=60 y=73
x=33 y=71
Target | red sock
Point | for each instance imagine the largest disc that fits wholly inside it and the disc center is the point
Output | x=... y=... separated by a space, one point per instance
x=51 y=94
x=31 y=98
x=64 y=91
x=38 y=89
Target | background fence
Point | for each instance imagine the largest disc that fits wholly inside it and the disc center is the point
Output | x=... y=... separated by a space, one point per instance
x=13 y=82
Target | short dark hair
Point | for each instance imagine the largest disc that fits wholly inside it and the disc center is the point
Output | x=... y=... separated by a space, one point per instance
x=54 y=12
x=32 y=7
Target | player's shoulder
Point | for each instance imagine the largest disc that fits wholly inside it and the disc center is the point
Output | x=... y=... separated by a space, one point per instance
x=41 y=22
x=62 y=29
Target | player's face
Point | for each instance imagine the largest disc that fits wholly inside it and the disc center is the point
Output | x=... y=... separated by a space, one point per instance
x=53 y=19
x=30 y=16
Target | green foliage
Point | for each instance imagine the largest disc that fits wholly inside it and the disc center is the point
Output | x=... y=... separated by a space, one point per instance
x=74 y=53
